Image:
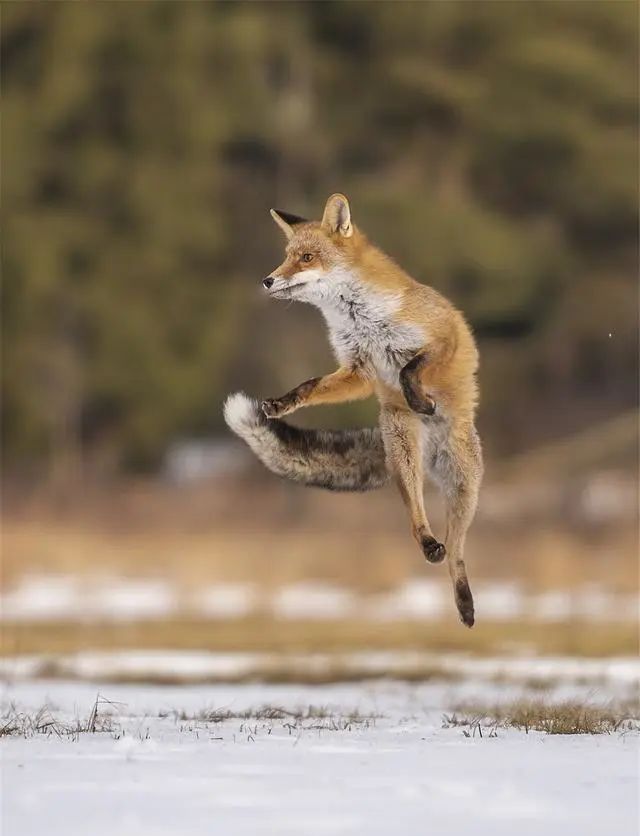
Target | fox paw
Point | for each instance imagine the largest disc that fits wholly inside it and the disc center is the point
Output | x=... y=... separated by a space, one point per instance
x=464 y=602
x=419 y=401
x=434 y=552
x=273 y=408
x=422 y=404
x=426 y=406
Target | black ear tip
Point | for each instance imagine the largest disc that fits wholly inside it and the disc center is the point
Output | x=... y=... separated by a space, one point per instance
x=288 y=217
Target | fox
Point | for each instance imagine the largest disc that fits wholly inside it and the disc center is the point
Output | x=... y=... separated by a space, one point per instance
x=397 y=339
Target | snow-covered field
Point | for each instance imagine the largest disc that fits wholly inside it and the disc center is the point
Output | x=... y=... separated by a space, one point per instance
x=192 y=667
x=68 y=597
x=366 y=758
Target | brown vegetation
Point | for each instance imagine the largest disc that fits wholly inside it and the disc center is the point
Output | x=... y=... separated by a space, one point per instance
x=550 y=718
x=334 y=637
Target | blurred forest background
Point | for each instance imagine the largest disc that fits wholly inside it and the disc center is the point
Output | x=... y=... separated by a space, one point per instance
x=490 y=147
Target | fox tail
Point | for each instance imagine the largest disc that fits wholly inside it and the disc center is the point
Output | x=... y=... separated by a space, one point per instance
x=339 y=460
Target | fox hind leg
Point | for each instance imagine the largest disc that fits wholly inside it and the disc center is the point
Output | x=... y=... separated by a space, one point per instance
x=457 y=468
x=461 y=505
x=402 y=434
x=412 y=389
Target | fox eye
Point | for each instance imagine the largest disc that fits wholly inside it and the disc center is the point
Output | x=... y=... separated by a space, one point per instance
x=307 y=257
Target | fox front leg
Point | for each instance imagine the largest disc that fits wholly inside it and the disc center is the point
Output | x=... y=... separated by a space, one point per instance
x=278 y=407
x=345 y=384
x=413 y=386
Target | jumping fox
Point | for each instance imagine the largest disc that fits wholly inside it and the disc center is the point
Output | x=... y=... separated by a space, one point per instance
x=394 y=338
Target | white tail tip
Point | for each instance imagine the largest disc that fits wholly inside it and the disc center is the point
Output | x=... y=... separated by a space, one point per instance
x=241 y=413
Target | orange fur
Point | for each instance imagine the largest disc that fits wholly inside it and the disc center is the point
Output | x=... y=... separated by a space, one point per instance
x=410 y=346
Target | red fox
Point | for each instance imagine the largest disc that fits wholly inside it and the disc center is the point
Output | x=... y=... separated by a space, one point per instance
x=394 y=338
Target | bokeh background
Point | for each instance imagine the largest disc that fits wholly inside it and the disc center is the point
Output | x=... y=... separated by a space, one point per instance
x=490 y=147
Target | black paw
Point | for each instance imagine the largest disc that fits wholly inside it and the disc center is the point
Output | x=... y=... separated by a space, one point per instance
x=272 y=408
x=434 y=552
x=426 y=407
x=422 y=404
x=464 y=602
x=417 y=400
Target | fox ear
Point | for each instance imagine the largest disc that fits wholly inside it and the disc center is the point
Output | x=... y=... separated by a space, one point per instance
x=286 y=221
x=337 y=216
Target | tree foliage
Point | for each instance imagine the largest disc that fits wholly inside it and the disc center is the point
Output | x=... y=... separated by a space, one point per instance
x=489 y=146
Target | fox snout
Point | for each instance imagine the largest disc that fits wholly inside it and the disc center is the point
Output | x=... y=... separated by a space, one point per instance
x=280 y=284
x=275 y=284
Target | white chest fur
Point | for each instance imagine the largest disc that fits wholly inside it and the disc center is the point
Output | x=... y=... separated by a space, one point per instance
x=364 y=330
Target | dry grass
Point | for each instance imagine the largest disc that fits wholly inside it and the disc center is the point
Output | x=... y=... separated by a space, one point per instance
x=273 y=636
x=566 y=718
x=308 y=718
x=278 y=670
x=202 y=535
x=273 y=534
x=539 y=715
x=240 y=725
x=14 y=723
x=264 y=712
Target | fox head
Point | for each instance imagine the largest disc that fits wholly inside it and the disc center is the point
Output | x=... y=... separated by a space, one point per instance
x=319 y=255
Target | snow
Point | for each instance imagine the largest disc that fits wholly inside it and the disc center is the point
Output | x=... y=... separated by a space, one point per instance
x=196 y=666
x=126 y=600
x=416 y=599
x=500 y=601
x=68 y=597
x=226 y=600
x=553 y=605
x=401 y=772
x=313 y=600
x=64 y=597
x=44 y=597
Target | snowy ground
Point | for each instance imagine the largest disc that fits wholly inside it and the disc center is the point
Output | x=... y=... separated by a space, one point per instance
x=68 y=597
x=369 y=758
x=193 y=667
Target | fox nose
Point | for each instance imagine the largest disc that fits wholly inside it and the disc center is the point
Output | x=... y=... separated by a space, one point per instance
x=268 y=282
